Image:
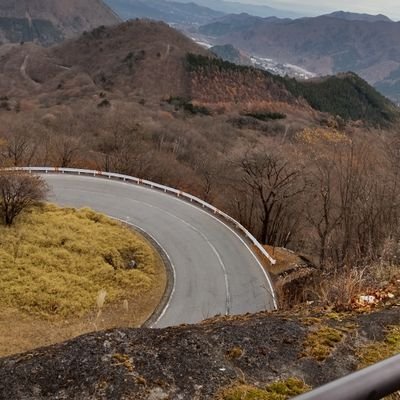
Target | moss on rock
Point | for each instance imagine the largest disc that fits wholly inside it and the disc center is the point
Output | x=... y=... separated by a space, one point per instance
x=279 y=390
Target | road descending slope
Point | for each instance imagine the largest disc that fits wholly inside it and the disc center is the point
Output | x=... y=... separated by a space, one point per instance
x=215 y=273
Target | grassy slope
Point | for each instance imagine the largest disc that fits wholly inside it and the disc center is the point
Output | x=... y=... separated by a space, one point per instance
x=53 y=264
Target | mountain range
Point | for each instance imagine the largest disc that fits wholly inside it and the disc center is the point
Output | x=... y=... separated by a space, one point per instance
x=234 y=7
x=184 y=11
x=149 y=60
x=323 y=45
x=136 y=58
x=349 y=16
x=328 y=44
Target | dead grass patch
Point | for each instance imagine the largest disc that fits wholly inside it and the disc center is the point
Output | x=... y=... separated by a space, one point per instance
x=55 y=262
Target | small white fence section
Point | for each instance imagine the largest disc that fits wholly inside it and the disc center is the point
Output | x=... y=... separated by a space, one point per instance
x=153 y=185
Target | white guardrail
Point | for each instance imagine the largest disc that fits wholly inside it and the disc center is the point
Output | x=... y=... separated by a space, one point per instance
x=153 y=185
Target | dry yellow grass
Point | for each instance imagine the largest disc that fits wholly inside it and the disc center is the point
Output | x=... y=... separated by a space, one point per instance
x=57 y=265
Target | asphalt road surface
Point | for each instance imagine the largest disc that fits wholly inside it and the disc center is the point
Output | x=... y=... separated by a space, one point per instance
x=215 y=272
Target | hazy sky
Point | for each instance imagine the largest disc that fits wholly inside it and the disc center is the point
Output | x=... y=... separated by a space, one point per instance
x=391 y=8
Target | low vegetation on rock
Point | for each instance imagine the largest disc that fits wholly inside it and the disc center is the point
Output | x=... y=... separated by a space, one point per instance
x=279 y=390
x=199 y=361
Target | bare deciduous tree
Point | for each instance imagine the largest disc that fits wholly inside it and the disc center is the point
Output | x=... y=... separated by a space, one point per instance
x=18 y=191
x=323 y=212
x=275 y=183
x=19 y=148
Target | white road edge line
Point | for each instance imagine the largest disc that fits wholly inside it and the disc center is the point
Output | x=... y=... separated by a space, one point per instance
x=271 y=291
x=169 y=259
x=224 y=271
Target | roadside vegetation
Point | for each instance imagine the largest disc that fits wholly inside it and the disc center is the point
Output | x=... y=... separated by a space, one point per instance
x=329 y=193
x=75 y=269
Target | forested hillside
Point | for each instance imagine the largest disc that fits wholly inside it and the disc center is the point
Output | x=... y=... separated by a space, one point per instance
x=346 y=95
x=142 y=99
x=325 y=45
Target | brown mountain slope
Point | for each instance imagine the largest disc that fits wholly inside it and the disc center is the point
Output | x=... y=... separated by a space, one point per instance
x=324 y=45
x=50 y=21
x=140 y=58
x=145 y=60
x=136 y=59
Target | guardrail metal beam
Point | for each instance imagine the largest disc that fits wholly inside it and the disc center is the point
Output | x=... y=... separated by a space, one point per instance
x=371 y=383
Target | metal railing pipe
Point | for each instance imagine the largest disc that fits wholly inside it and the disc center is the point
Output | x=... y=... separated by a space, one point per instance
x=371 y=383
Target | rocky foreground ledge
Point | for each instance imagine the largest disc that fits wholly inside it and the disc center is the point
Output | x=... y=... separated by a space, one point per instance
x=199 y=361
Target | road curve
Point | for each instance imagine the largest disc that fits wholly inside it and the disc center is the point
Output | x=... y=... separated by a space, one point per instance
x=215 y=273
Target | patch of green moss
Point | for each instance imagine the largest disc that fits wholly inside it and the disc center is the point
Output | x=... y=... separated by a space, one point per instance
x=280 y=390
x=288 y=388
x=320 y=344
x=377 y=351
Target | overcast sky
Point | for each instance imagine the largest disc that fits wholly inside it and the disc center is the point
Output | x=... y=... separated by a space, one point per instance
x=391 y=8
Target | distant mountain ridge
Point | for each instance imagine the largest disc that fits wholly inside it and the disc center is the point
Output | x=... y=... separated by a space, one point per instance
x=349 y=16
x=233 y=7
x=51 y=21
x=168 y=11
x=178 y=11
x=150 y=61
x=324 y=45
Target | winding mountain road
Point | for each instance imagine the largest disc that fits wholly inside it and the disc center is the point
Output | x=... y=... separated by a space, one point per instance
x=215 y=272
